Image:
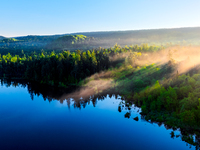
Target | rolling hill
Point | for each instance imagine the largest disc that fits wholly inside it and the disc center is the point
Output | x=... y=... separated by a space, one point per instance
x=1 y=37
x=181 y=36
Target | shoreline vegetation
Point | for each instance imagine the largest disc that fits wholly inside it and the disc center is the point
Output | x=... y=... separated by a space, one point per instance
x=163 y=81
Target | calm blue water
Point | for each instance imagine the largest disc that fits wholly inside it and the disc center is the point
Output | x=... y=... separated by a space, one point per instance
x=27 y=124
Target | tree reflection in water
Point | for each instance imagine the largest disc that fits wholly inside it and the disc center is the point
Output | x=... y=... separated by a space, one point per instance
x=73 y=98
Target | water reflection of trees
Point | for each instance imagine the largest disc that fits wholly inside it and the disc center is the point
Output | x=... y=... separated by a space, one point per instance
x=70 y=95
x=61 y=95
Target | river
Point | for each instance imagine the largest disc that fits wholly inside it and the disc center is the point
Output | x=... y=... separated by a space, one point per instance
x=30 y=119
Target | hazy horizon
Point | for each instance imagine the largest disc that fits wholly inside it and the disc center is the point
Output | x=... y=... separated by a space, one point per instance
x=99 y=31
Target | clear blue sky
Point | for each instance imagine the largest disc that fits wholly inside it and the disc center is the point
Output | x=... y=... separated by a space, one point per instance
x=45 y=17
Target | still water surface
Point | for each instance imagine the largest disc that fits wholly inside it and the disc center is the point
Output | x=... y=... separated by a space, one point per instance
x=27 y=124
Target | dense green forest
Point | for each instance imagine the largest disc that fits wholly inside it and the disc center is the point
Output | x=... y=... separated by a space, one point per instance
x=63 y=68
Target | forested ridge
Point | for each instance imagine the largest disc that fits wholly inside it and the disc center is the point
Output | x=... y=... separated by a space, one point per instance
x=181 y=36
x=71 y=42
x=1 y=37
